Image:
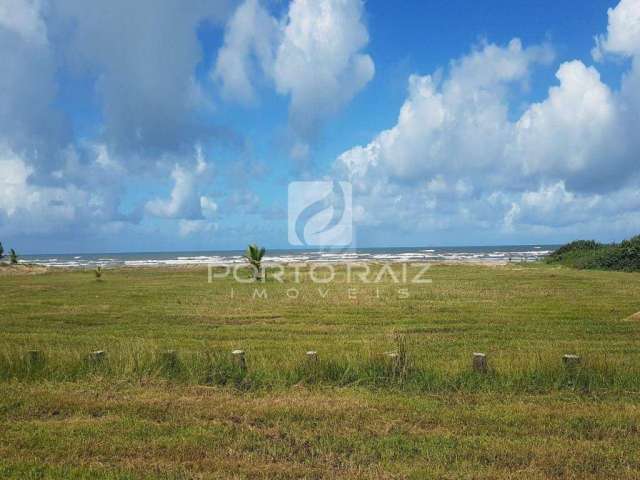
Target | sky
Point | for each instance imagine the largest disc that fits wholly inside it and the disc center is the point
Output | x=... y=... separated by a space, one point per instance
x=175 y=125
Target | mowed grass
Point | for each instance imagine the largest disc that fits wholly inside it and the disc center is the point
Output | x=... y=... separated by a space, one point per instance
x=355 y=413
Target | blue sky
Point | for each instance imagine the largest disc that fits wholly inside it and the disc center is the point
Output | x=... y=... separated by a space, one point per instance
x=177 y=125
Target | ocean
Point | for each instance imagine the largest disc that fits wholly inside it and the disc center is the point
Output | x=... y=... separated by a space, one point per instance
x=514 y=253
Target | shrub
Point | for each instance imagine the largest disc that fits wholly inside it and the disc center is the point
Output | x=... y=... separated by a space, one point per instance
x=577 y=245
x=589 y=254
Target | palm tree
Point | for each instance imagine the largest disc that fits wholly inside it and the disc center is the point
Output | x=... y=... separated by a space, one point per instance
x=13 y=256
x=1 y=251
x=254 y=255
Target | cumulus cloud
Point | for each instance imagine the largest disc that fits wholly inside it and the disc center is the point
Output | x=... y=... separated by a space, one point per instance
x=623 y=31
x=553 y=206
x=458 y=125
x=185 y=200
x=250 y=36
x=457 y=158
x=48 y=183
x=313 y=55
x=461 y=154
x=140 y=61
x=14 y=180
x=318 y=62
x=623 y=40
x=574 y=134
x=29 y=209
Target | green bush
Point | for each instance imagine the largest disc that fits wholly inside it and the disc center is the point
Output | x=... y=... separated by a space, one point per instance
x=590 y=254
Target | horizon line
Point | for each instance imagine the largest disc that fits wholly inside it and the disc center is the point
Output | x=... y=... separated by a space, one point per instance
x=301 y=249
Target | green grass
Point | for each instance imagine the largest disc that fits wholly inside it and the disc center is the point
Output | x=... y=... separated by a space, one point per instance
x=355 y=413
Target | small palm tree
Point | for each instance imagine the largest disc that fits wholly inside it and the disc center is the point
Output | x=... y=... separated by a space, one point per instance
x=98 y=272
x=254 y=255
x=13 y=256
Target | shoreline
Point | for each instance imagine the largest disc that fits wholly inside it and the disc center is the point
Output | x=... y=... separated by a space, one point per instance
x=37 y=268
x=473 y=255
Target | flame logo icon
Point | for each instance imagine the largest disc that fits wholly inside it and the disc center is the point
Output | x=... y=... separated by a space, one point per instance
x=320 y=214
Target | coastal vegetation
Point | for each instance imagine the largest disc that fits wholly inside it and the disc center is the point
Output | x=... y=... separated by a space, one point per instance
x=134 y=377
x=13 y=256
x=254 y=255
x=589 y=254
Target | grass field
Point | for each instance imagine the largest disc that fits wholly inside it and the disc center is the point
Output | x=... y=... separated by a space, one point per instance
x=355 y=413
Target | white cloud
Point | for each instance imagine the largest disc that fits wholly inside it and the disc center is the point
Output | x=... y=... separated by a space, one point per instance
x=148 y=108
x=185 y=200
x=459 y=124
x=319 y=61
x=623 y=39
x=26 y=208
x=554 y=206
x=573 y=133
x=456 y=158
x=23 y=17
x=13 y=180
x=313 y=55
x=623 y=31
x=53 y=182
x=251 y=33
